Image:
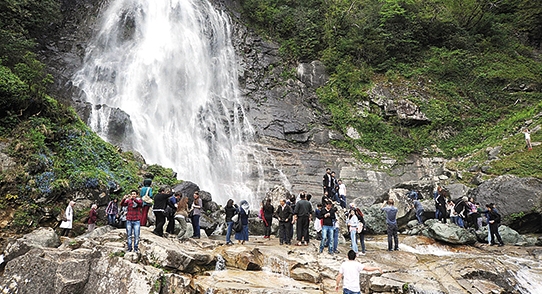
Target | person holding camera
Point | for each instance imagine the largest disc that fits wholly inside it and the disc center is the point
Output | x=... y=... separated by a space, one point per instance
x=133 y=217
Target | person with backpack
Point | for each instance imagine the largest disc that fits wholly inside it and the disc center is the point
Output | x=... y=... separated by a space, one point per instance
x=146 y=191
x=462 y=210
x=362 y=229
x=231 y=209
x=244 y=212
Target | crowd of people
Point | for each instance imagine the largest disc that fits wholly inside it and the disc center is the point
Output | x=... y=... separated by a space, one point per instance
x=293 y=214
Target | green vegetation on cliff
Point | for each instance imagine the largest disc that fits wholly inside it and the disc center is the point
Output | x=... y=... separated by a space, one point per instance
x=473 y=64
x=53 y=154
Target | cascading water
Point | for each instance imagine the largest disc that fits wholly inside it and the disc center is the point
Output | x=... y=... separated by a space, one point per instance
x=171 y=67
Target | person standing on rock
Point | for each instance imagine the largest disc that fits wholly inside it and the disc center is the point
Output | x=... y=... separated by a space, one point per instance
x=181 y=215
x=92 y=218
x=350 y=270
x=133 y=219
x=494 y=221
x=171 y=210
x=111 y=211
x=342 y=194
x=418 y=207
x=440 y=205
x=159 y=209
x=327 y=183
x=197 y=205
x=146 y=190
x=302 y=215
x=391 y=221
x=327 y=214
x=284 y=214
x=244 y=212
x=231 y=209
x=67 y=222
x=267 y=217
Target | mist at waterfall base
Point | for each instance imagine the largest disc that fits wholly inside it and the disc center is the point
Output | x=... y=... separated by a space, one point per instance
x=171 y=67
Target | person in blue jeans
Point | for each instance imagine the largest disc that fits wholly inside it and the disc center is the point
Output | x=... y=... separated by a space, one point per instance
x=196 y=207
x=391 y=221
x=134 y=205
x=327 y=214
x=230 y=210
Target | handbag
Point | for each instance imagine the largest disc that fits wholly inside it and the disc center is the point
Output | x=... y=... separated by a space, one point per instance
x=237 y=226
x=235 y=218
x=191 y=213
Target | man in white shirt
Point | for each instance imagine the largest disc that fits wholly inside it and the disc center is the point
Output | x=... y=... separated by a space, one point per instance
x=350 y=270
x=342 y=194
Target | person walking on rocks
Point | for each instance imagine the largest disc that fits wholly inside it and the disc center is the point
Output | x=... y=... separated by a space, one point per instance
x=133 y=219
x=67 y=222
x=391 y=221
x=440 y=205
x=302 y=214
x=494 y=221
x=350 y=271
x=92 y=218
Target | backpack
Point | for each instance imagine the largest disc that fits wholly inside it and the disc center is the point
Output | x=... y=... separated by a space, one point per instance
x=237 y=226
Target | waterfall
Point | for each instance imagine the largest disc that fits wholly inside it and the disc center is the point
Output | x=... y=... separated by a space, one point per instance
x=171 y=67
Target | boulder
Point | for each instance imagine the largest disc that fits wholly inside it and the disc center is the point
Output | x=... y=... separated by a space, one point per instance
x=40 y=238
x=515 y=198
x=448 y=233
x=241 y=257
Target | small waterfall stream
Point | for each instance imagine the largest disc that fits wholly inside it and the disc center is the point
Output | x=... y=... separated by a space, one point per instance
x=171 y=67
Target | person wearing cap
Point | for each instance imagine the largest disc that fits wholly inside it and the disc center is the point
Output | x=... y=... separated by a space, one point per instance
x=196 y=208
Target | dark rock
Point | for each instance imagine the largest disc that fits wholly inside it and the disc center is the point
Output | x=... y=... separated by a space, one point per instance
x=514 y=197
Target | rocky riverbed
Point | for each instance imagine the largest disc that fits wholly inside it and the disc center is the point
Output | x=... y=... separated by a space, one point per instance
x=40 y=262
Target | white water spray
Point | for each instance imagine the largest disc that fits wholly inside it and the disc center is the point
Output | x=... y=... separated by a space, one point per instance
x=171 y=66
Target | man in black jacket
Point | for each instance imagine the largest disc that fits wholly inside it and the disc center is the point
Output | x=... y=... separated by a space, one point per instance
x=160 y=204
x=284 y=214
x=328 y=216
x=328 y=184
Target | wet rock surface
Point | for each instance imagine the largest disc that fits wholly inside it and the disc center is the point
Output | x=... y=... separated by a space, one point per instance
x=99 y=263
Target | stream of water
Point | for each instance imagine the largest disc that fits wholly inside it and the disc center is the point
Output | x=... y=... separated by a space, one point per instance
x=170 y=65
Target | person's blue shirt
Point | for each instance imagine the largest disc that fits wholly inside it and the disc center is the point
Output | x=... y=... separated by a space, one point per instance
x=391 y=214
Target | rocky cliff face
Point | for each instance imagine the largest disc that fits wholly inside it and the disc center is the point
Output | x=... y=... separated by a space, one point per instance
x=292 y=127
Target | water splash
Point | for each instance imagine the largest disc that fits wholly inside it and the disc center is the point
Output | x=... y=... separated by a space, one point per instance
x=220 y=263
x=171 y=67
x=276 y=265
